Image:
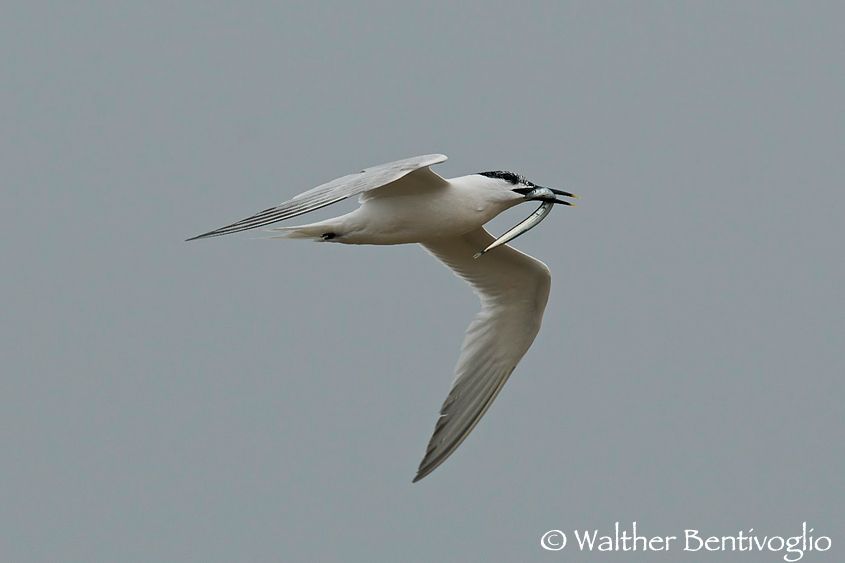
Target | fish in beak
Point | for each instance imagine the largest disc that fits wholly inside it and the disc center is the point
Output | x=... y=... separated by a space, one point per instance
x=538 y=193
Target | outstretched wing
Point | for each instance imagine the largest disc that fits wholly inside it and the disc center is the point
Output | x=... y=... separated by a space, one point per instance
x=513 y=288
x=332 y=192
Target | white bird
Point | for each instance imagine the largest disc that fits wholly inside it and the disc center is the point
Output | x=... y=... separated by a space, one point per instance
x=406 y=202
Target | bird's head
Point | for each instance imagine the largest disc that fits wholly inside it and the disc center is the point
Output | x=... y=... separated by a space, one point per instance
x=529 y=191
x=513 y=189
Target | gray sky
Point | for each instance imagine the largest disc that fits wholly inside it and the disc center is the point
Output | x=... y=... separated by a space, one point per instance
x=241 y=400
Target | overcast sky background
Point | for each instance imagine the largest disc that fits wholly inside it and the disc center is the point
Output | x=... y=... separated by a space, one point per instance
x=243 y=400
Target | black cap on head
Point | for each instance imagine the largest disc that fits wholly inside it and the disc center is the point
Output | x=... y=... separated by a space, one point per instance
x=511 y=177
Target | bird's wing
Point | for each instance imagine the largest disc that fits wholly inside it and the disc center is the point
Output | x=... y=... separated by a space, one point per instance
x=336 y=190
x=513 y=288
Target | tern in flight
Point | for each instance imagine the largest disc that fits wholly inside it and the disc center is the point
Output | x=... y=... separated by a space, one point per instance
x=406 y=202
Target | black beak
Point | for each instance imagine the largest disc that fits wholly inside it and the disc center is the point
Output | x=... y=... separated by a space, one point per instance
x=527 y=191
x=563 y=193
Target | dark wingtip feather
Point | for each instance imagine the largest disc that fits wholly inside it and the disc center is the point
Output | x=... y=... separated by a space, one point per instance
x=421 y=475
x=209 y=234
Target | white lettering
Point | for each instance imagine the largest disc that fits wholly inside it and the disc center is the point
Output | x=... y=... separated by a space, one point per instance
x=586 y=540
x=692 y=535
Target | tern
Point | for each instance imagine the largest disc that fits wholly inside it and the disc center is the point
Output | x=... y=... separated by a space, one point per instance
x=405 y=202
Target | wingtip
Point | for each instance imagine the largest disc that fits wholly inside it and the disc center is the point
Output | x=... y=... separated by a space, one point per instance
x=425 y=469
x=420 y=475
x=209 y=234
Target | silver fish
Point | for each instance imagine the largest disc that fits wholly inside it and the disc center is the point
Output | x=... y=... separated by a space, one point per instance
x=529 y=223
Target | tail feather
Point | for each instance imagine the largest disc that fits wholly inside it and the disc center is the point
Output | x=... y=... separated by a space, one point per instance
x=315 y=231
